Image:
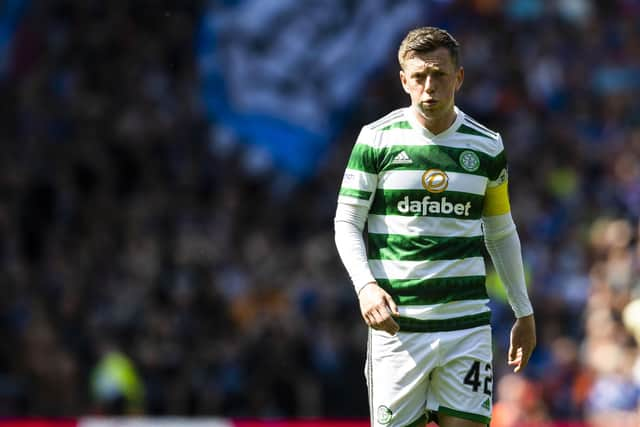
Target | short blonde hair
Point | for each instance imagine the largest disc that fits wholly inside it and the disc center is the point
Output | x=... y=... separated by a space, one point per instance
x=427 y=39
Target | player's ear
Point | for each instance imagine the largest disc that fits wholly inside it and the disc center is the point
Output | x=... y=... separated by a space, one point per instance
x=459 y=78
x=403 y=80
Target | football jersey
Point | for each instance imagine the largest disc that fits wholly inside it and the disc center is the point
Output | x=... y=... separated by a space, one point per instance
x=425 y=195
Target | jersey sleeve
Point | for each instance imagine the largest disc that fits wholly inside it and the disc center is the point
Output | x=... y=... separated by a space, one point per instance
x=496 y=198
x=361 y=176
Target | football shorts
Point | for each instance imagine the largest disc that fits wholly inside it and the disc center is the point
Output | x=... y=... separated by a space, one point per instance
x=412 y=374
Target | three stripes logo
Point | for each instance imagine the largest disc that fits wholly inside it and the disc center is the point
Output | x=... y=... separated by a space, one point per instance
x=402 y=158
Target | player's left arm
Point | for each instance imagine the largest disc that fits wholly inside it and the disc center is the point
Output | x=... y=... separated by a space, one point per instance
x=503 y=244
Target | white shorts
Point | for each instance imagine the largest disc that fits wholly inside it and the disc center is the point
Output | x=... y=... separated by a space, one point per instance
x=413 y=373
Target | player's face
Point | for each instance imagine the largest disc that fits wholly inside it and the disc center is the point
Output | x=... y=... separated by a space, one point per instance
x=431 y=79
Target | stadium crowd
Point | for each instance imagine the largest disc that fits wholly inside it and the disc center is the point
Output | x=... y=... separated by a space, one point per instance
x=150 y=264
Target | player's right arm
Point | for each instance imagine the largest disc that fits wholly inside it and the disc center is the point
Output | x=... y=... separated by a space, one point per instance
x=357 y=192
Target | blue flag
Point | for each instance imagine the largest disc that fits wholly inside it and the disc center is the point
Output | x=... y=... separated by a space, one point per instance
x=281 y=75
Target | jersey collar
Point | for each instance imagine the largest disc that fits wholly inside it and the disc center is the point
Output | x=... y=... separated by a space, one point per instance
x=415 y=124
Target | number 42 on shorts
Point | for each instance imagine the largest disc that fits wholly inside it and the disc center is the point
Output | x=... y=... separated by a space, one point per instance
x=473 y=378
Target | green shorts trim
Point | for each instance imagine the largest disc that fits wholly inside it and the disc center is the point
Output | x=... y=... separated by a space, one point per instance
x=465 y=415
x=443 y=325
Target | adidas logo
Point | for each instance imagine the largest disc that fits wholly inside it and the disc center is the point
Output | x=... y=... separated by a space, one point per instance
x=402 y=158
x=487 y=404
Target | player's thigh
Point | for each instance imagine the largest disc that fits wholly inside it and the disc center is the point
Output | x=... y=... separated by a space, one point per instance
x=463 y=385
x=451 y=421
x=397 y=378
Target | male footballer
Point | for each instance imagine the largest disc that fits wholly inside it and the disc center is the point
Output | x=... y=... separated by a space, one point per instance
x=431 y=183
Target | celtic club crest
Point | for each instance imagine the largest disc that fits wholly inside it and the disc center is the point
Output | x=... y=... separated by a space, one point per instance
x=469 y=161
x=384 y=415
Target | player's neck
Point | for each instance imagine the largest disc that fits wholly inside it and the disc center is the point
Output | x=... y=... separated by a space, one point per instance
x=435 y=125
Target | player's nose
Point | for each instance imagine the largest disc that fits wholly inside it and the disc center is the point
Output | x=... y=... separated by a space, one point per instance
x=429 y=86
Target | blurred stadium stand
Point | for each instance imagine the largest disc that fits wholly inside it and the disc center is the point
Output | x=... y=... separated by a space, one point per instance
x=214 y=422
x=169 y=172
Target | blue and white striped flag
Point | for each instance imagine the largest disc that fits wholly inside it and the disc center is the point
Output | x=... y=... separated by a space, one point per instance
x=282 y=74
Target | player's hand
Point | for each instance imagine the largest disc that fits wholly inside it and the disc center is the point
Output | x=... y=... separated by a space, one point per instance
x=523 y=341
x=378 y=308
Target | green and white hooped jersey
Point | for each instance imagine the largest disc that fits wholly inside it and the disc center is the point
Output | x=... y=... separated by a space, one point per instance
x=425 y=196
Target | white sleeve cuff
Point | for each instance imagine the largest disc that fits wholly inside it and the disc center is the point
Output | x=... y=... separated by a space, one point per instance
x=348 y=225
x=503 y=244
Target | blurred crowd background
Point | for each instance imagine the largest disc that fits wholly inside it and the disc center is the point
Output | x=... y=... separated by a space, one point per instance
x=154 y=261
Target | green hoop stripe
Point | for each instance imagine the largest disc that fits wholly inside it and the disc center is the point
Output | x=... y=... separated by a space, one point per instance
x=424 y=157
x=443 y=325
x=396 y=247
x=496 y=167
x=358 y=194
x=435 y=291
x=363 y=158
x=465 y=415
x=397 y=125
